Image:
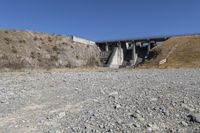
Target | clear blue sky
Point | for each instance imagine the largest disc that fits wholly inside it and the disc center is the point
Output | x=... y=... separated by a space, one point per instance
x=103 y=19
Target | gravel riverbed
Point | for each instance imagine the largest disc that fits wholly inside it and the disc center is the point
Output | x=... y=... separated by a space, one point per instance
x=149 y=100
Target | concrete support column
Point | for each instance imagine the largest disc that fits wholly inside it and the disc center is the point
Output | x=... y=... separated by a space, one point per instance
x=134 y=54
x=119 y=45
x=127 y=45
x=133 y=51
x=148 y=49
x=107 y=48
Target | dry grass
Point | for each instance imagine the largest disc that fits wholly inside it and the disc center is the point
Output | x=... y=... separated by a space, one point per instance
x=32 y=50
x=179 y=51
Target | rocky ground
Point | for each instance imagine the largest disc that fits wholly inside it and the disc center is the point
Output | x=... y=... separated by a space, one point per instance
x=105 y=101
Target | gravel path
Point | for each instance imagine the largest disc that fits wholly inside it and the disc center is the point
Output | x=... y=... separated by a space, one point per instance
x=108 y=101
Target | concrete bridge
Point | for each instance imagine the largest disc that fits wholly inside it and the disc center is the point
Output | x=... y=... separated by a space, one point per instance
x=127 y=52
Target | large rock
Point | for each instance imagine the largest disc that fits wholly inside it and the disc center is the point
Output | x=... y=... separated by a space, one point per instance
x=195 y=117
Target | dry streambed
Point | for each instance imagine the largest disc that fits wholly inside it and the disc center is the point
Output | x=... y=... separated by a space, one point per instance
x=109 y=101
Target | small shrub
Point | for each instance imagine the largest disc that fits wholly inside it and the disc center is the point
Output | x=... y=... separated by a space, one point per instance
x=54 y=58
x=7 y=40
x=14 y=50
x=55 y=48
x=50 y=39
x=68 y=65
x=39 y=60
x=6 y=31
x=49 y=50
x=153 y=54
x=22 y=41
x=35 y=38
x=92 y=62
x=32 y=55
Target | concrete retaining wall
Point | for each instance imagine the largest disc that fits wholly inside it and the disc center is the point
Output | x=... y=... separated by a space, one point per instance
x=82 y=40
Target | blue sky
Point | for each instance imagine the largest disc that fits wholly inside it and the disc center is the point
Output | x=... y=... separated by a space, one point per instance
x=103 y=19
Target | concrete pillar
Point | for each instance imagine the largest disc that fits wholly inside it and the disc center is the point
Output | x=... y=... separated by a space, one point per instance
x=148 y=49
x=133 y=51
x=127 y=45
x=116 y=59
x=134 y=54
x=107 y=47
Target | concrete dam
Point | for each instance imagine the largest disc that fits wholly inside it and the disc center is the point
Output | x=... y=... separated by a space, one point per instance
x=127 y=52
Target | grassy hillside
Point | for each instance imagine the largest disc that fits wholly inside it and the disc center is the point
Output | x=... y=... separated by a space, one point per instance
x=25 y=49
x=183 y=51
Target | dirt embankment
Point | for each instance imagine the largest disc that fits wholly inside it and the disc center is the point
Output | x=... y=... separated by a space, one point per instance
x=183 y=51
x=25 y=49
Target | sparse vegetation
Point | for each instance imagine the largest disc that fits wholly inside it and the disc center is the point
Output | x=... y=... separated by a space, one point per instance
x=179 y=51
x=6 y=31
x=54 y=58
x=55 y=48
x=39 y=51
x=68 y=65
x=7 y=40
x=33 y=55
x=22 y=41
x=35 y=38
x=39 y=60
x=14 y=50
x=49 y=39
x=91 y=62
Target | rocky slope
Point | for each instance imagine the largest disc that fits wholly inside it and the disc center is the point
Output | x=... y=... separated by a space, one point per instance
x=25 y=49
x=182 y=51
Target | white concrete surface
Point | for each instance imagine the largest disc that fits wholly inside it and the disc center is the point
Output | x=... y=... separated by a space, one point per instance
x=82 y=40
x=116 y=58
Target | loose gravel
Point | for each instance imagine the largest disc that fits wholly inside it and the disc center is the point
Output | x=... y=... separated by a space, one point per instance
x=142 y=101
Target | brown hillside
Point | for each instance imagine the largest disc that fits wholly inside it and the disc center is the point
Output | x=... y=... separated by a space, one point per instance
x=26 y=49
x=183 y=51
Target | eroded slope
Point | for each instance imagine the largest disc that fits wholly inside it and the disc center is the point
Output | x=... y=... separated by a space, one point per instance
x=26 y=49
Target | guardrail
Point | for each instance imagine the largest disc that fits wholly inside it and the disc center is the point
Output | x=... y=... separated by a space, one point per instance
x=82 y=40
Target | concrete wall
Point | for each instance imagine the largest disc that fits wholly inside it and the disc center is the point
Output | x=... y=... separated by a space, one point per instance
x=116 y=58
x=82 y=40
